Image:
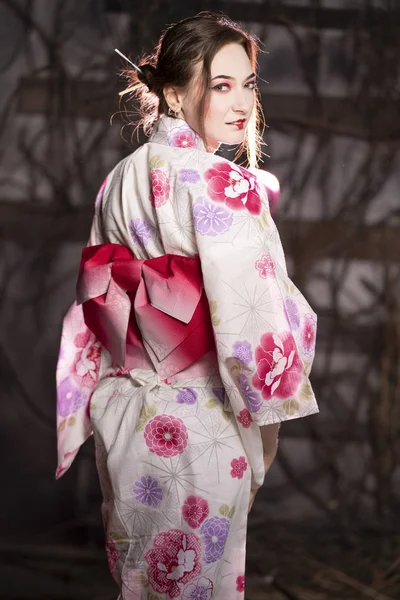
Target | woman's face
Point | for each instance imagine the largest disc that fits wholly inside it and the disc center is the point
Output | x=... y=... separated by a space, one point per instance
x=231 y=99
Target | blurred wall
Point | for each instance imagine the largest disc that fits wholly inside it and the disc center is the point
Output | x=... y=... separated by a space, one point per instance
x=330 y=91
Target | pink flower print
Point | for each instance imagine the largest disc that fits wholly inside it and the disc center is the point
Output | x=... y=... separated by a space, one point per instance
x=215 y=533
x=147 y=491
x=244 y=418
x=195 y=510
x=87 y=360
x=292 y=313
x=210 y=219
x=186 y=396
x=266 y=266
x=161 y=187
x=69 y=398
x=234 y=186
x=60 y=470
x=308 y=334
x=240 y=583
x=201 y=589
x=85 y=363
x=242 y=351
x=174 y=559
x=166 y=435
x=239 y=466
x=279 y=366
x=189 y=175
x=112 y=554
x=83 y=339
x=141 y=232
x=182 y=136
x=252 y=399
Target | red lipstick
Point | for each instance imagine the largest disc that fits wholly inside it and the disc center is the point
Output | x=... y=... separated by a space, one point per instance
x=239 y=123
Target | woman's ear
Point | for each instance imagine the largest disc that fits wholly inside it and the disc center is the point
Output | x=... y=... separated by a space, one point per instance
x=172 y=98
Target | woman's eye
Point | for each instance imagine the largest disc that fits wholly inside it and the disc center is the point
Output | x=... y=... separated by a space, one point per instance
x=251 y=85
x=221 y=87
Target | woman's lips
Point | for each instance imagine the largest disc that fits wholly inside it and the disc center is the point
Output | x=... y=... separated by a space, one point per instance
x=239 y=124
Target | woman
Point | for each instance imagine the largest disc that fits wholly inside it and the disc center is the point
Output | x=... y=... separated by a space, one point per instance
x=189 y=339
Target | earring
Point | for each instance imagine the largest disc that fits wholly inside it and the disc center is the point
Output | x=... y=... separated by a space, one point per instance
x=173 y=113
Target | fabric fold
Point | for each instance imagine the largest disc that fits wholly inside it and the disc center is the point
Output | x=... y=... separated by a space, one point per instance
x=131 y=304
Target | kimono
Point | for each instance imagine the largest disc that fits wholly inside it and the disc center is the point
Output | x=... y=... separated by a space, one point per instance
x=177 y=432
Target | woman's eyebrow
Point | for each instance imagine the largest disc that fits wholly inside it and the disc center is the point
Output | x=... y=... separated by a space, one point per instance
x=229 y=77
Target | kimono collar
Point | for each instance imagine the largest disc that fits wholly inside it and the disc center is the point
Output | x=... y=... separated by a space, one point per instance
x=175 y=133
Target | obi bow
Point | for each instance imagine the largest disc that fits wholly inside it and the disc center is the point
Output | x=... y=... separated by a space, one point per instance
x=146 y=313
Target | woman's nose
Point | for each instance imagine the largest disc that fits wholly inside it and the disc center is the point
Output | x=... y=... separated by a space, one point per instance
x=241 y=102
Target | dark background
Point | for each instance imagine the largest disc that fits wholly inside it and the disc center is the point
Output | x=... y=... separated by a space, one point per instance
x=326 y=524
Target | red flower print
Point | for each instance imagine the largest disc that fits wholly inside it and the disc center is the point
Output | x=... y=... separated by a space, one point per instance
x=308 y=334
x=160 y=186
x=240 y=583
x=166 y=435
x=234 y=186
x=239 y=466
x=279 y=366
x=266 y=266
x=195 y=510
x=112 y=554
x=174 y=559
x=60 y=470
x=244 y=418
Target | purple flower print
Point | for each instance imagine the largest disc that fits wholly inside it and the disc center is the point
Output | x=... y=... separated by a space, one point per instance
x=292 y=313
x=100 y=193
x=141 y=232
x=186 y=396
x=189 y=175
x=251 y=397
x=201 y=589
x=69 y=398
x=242 y=351
x=219 y=393
x=209 y=218
x=147 y=491
x=215 y=532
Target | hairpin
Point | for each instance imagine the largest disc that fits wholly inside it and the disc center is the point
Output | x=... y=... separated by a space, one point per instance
x=130 y=62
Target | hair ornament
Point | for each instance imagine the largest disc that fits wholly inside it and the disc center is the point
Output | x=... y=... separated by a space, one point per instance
x=130 y=62
x=141 y=75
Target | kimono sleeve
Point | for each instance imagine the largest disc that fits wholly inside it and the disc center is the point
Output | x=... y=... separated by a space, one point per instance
x=78 y=371
x=264 y=328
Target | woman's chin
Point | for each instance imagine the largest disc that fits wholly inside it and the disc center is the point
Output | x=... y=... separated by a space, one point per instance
x=234 y=139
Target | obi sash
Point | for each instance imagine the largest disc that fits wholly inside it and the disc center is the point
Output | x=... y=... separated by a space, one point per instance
x=147 y=313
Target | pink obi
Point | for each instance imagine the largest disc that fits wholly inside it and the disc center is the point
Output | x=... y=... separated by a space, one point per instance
x=147 y=313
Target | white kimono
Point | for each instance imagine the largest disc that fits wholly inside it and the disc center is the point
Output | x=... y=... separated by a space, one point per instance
x=176 y=452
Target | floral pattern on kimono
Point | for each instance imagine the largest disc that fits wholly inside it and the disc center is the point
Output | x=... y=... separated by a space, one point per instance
x=176 y=455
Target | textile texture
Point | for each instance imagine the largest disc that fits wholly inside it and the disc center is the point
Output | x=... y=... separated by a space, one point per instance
x=177 y=450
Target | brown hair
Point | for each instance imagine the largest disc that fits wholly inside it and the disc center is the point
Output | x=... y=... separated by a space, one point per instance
x=180 y=48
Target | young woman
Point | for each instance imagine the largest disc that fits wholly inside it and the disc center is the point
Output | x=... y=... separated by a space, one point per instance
x=188 y=344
